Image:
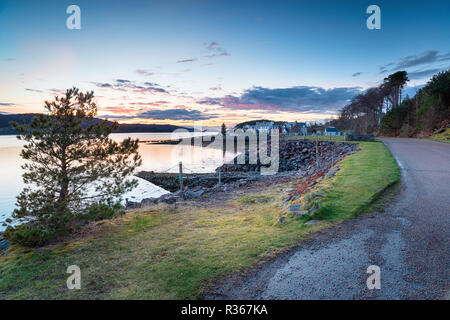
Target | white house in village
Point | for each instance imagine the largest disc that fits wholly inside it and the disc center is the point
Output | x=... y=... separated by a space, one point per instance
x=288 y=128
x=332 y=131
x=260 y=125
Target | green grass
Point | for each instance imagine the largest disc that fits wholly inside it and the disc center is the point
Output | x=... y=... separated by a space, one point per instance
x=176 y=252
x=442 y=137
x=362 y=179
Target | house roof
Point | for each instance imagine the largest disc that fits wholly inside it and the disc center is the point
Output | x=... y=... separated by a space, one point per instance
x=298 y=127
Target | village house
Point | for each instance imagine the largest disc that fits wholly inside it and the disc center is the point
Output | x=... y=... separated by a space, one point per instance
x=299 y=128
x=332 y=131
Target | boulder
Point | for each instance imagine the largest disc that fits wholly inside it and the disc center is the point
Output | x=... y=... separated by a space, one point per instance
x=295 y=207
x=148 y=202
x=169 y=200
x=300 y=213
x=195 y=194
x=4 y=244
x=319 y=195
x=132 y=205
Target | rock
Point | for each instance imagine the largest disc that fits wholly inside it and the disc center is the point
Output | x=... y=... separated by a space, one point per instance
x=8 y=220
x=195 y=194
x=300 y=212
x=132 y=204
x=4 y=244
x=319 y=195
x=148 y=202
x=169 y=200
x=312 y=221
x=332 y=172
x=295 y=207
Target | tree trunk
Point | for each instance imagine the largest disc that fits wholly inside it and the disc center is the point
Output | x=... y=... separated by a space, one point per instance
x=64 y=179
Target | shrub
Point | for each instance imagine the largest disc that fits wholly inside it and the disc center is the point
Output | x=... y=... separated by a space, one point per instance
x=34 y=235
x=28 y=235
x=101 y=211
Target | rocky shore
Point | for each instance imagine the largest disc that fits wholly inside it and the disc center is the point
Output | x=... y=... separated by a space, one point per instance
x=302 y=159
x=297 y=155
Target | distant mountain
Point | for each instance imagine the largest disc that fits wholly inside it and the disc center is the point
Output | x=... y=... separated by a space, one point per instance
x=6 y=128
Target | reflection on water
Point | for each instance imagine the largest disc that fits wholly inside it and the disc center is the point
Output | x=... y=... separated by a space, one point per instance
x=154 y=158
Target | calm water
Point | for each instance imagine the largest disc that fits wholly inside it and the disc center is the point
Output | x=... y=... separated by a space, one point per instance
x=156 y=158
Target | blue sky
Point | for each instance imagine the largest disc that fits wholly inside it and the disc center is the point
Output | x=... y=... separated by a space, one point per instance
x=179 y=61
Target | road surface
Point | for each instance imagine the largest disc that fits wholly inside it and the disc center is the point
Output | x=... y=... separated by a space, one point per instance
x=409 y=242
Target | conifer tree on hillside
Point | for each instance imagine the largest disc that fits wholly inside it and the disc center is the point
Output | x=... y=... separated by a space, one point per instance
x=71 y=162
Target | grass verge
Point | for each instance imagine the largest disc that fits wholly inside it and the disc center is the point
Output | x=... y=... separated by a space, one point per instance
x=442 y=137
x=363 y=178
x=175 y=252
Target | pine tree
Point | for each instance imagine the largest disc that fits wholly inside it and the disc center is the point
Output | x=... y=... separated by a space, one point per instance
x=71 y=162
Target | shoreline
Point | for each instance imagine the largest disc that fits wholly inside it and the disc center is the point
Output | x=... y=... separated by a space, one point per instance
x=297 y=159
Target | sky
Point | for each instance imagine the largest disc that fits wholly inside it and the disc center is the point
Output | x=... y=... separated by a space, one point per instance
x=215 y=61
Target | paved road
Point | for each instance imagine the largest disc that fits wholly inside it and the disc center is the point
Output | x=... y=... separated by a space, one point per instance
x=409 y=242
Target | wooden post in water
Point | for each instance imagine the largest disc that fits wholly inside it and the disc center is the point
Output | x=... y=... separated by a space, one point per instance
x=180 y=175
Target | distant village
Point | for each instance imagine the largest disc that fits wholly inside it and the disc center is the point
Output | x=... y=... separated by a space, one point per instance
x=288 y=128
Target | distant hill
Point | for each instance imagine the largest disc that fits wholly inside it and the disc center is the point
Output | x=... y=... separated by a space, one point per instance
x=5 y=127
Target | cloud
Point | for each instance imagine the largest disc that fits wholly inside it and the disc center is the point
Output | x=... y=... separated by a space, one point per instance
x=293 y=99
x=103 y=85
x=187 y=60
x=122 y=81
x=422 y=73
x=57 y=91
x=128 y=85
x=216 y=50
x=7 y=104
x=153 y=103
x=144 y=72
x=176 y=114
x=444 y=57
x=212 y=45
x=33 y=90
x=424 y=58
x=167 y=114
x=357 y=74
x=118 y=109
